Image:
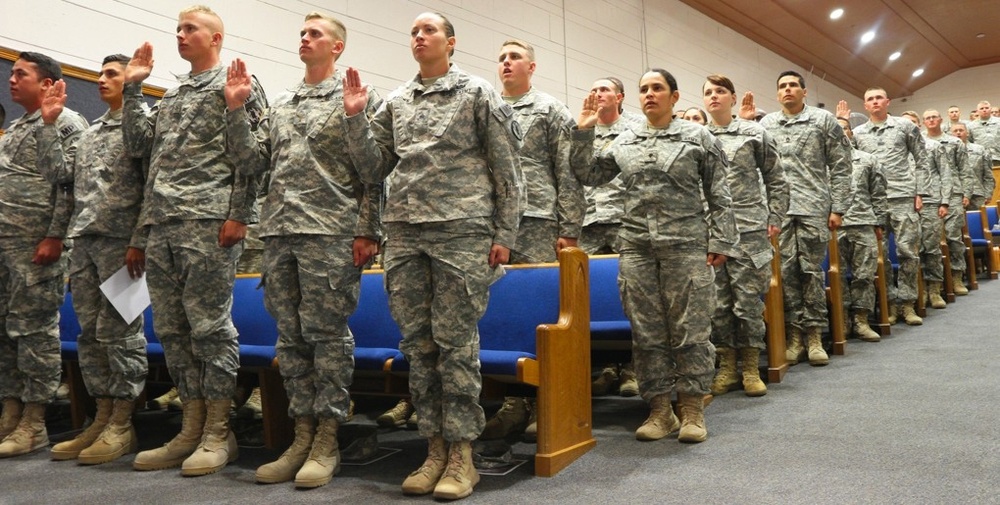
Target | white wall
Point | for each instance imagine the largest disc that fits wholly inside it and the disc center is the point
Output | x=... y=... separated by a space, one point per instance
x=965 y=88
x=576 y=41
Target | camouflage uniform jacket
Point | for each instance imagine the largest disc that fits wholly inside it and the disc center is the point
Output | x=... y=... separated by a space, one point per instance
x=314 y=188
x=666 y=171
x=107 y=184
x=552 y=191
x=816 y=161
x=893 y=142
x=987 y=134
x=756 y=181
x=869 y=206
x=451 y=150
x=605 y=203
x=35 y=196
x=980 y=170
x=961 y=175
x=939 y=170
x=191 y=176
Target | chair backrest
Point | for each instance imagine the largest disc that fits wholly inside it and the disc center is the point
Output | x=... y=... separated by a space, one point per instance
x=69 y=326
x=991 y=216
x=372 y=324
x=254 y=324
x=605 y=298
x=891 y=253
x=975 y=220
x=526 y=296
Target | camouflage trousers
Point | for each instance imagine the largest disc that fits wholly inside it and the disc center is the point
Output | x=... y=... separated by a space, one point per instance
x=311 y=287
x=803 y=242
x=251 y=261
x=190 y=281
x=953 y=223
x=536 y=241
x=668 y=296
x=904 y=224
x=738 y=319
x=931 y=228
x=600 y=238
x=858 y=254
x=438 y=277
x=112 y=351
x=30 y=296
x=976 y=202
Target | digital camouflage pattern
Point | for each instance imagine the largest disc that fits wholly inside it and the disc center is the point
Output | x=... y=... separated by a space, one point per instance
x=816 y=160
x=551 y=191
x=536 y=240
x=961 y=187
x=33 y=206
x=449 y=149
x=981 y=172
x=940 y=170
x=605 y=203
x=760 y=198
x=987 y=134
x=667 y=228
x=313 y=204
x=856 y=240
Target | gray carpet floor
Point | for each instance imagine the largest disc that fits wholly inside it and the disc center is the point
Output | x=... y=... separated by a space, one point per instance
x=912 y=419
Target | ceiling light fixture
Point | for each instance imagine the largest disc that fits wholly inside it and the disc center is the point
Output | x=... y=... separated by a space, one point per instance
x=978 y=35
x=868 y=37
x=895 y=56
x=918 y=72
x=836 y=14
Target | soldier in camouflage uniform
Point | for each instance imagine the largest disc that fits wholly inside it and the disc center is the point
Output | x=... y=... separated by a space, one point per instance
x=196 y=207
x=605 y=206
x=315 y=243
x=108 y=186
x=985 y=131
x=864 y=223
x=893 y=141
x=671 y=239
x=816 y=158
x=760 y=201
x=448 y=144
x=555 y=206
x=960 y=195
x=935 y=207
x=980 y=170
x=35 y=207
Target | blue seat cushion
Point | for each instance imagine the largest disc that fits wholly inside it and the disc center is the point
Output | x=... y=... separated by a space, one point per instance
x=610 y=330
x=491 y=362
x=374 y=358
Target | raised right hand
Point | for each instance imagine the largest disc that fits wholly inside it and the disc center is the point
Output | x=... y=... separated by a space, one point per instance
x=843 y=110
x=53 y=102
x=590 y=113
x=237 y=85
x=141 y=64
x=355 y=93
x=748 y=110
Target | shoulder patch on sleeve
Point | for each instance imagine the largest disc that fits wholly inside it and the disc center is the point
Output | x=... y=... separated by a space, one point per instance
x=69 y=129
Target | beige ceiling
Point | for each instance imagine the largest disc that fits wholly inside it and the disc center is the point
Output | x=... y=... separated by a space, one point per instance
x=939 y=36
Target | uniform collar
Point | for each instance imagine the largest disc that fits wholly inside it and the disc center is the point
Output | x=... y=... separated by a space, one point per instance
x=445 y=82
x=200 y=79
x=323 y=88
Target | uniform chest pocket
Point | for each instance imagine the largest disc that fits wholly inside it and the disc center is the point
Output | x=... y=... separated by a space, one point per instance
x=199 y=112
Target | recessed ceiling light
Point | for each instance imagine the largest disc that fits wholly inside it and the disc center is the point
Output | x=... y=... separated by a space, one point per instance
x=978 y=35
x=895 y=56
x=868 y=37
x=837 y=13
x=918 y=72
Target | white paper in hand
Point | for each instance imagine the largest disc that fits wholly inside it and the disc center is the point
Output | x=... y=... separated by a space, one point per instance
x=129 y=296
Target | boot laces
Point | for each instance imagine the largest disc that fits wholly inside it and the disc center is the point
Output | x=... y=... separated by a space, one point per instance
x=455 y=468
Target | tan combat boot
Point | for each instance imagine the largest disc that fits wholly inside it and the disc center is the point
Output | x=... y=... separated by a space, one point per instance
x=692 y=409
x=893 y=313
x=910 y=316
x=117 y=439
x=861 y=328
x=628 y=386
x=174 y=452
x=324 y=458
x=794 y=349
x=396 y=417
x=934 y=295
x=12 y=408
x=817 y=356
x=218 y=444
x=752 y=385
x=30 y=434
x=422 y=480
x=661 y=421
x=70 y=449
x=725 y=379
x=605 y=382
x=460 y=476
x=512 y=418
x=958 y=285
x=288 y=464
